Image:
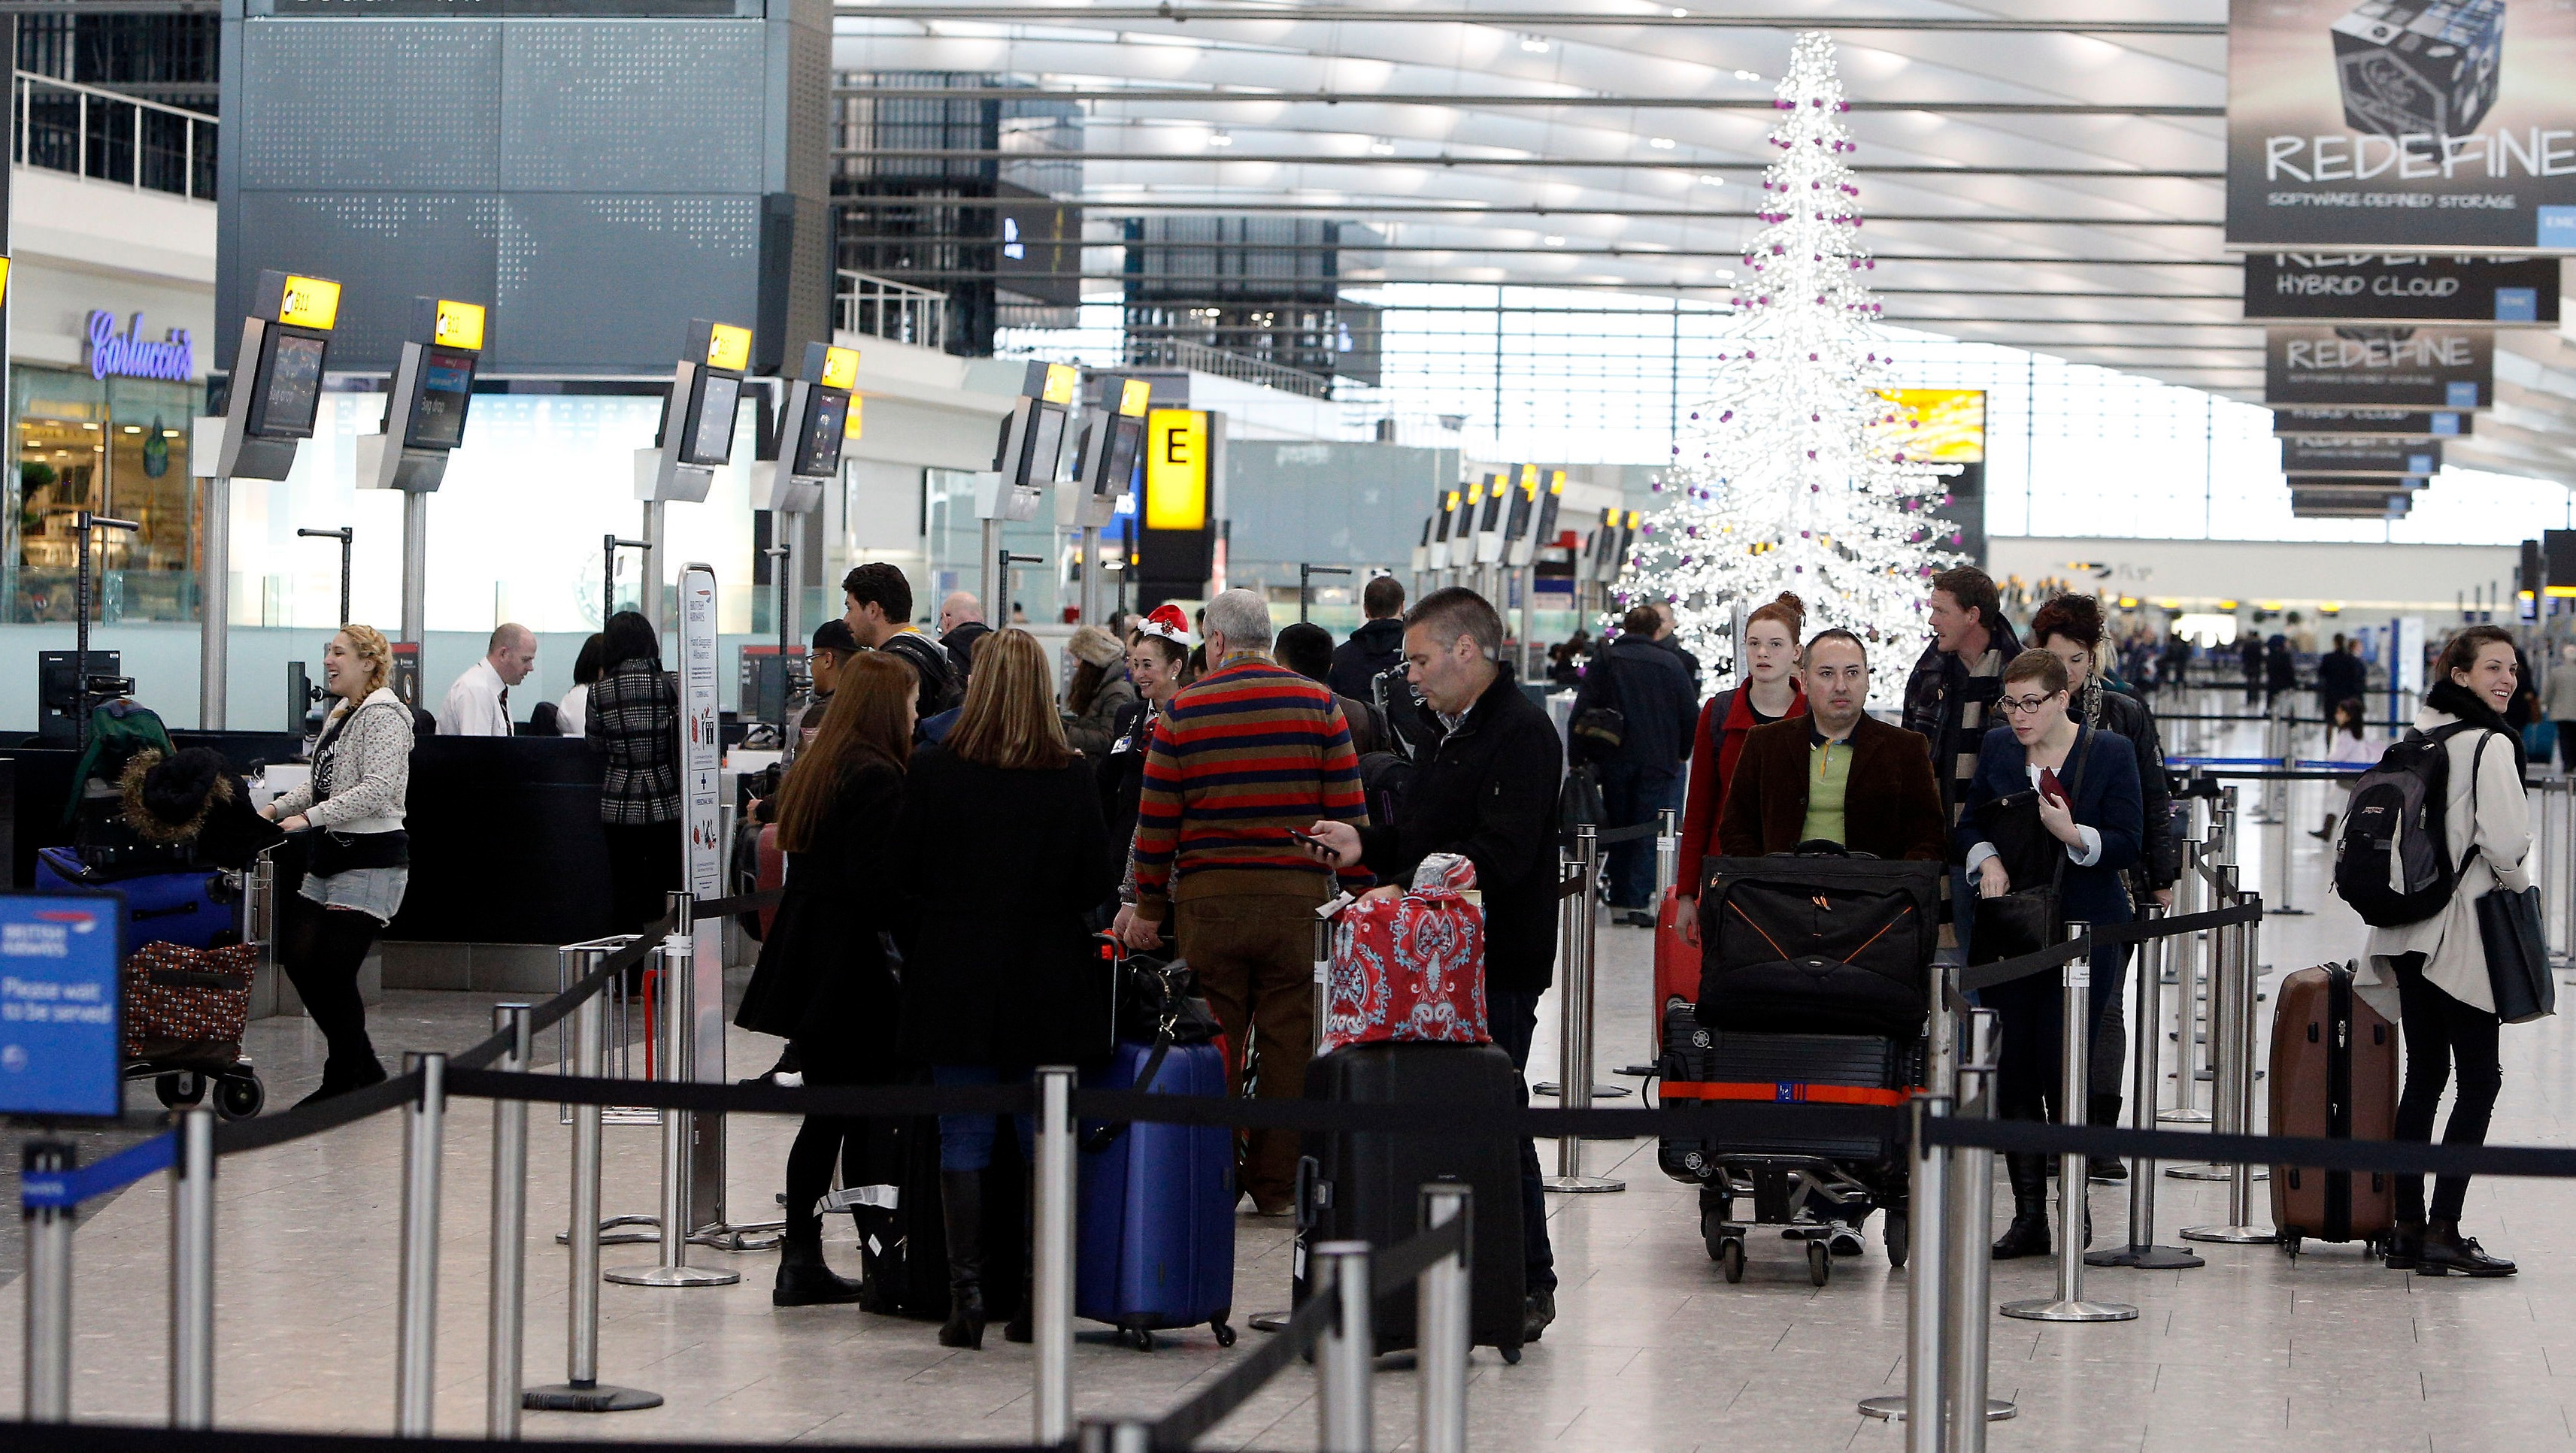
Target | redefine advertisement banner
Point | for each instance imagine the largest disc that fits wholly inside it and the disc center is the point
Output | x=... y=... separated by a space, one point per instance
x=2322 y=454
x=2393 y=423
x=2367 y=287
x=2440 y=368
x=2401 y=125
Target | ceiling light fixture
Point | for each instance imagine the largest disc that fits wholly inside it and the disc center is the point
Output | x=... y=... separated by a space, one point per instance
x=1660 y=143
x=1553 y=240
x=1534 y=44
x=1220 y=138
x=1382 y=145
x=1712 y=180
x=1747 y=76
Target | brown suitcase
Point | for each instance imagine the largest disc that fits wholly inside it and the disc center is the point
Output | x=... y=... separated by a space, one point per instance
x=2334 y=1076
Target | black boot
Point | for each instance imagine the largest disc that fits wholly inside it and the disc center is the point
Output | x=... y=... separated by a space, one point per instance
x=2103 y=1109
x=2028 y=1233
x=1023 y=1326
x=2325 y=833
x=961 y=1215
x=2446 y=1251
x=2405 y=1246
x=805 y=1279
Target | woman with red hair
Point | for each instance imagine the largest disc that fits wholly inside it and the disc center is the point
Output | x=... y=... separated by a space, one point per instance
x=1768 y=691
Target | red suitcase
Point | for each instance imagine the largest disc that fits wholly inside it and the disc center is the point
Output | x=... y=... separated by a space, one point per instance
x=1676 y=964
x=2334 y=1076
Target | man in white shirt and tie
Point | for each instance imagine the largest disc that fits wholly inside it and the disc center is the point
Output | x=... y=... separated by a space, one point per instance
x=478 y=705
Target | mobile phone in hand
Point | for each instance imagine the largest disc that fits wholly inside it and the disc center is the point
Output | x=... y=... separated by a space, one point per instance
x=1309 y=839
x=2050 y=787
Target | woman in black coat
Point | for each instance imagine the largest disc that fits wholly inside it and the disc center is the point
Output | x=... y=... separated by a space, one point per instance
x=826 y=981
x=1002 y=853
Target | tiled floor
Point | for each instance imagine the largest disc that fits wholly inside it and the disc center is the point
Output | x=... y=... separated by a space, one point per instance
x=1652 y=1351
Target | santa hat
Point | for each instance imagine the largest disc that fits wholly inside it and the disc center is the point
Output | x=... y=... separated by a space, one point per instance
x=1167 y=622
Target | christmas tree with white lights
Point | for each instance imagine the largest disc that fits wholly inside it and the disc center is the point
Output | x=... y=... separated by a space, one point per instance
x=1794 y=474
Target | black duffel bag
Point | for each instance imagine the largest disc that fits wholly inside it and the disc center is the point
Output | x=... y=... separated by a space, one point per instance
x=1818 y=941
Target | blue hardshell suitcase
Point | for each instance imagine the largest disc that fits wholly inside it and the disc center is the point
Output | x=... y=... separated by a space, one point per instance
x=187 y=908
x=1156 y=1221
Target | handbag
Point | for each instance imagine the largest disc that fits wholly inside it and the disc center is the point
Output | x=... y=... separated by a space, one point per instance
x=2517 y=954
x=2025 y=920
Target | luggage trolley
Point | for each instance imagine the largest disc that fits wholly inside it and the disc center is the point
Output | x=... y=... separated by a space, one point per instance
x=1816 y=969
x=184 y=1072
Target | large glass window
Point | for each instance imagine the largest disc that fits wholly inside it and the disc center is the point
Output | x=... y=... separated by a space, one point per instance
x=116 y=447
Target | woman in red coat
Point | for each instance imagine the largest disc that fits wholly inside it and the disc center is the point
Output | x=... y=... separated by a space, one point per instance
x=1769 y=674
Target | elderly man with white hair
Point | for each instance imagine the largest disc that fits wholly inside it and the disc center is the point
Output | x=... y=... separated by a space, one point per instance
x=478 y=704
x=1245 y=755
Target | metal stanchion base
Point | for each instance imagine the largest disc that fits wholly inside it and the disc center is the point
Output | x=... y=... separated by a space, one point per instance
x=1891 y=1408
x=608 y=1237
x=2048 y=1309
x=2211 y=1172
x=2231 y=1235
x=2145 y=1258
x=670 y=1276
x=1599 y=1092
x=1642 y=1072
x=1581 y=1185
x=753 y=1236
x=2285 y=912
x=2183 y=1115
x=587 y=1397
x=1269 y=1321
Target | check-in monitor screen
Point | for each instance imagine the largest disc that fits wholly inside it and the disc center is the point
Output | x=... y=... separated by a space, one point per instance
x=438 y=414
x=710 y=434
x=818 y=451
x=1046 y=447
x=291 y=386
x=1493 y=512
x=1126 y=437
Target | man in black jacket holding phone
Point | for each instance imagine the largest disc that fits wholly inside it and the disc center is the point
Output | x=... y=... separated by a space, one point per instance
x=1486 y=789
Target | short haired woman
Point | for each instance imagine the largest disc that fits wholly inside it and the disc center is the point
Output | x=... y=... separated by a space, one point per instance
x=585 y=674
x=633 y=718
x=360 y=858
x=825 y=981
x=1767 y=690
x=2084 y=786
x=2432 y=976
x=1001 y=850
x=2069 y=627
x=1155 y=656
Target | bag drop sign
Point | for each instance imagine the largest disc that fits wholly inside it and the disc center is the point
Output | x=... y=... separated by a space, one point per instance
x=58 y=1004
x=2413 y=368
x=2399 y=125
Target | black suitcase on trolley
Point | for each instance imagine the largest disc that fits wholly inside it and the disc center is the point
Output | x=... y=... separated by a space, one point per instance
x=1818 y=942
x=1702 y=1065
x=1367 y=1186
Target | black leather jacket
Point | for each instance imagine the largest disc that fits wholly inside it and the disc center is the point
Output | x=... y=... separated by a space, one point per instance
x=2160 y=858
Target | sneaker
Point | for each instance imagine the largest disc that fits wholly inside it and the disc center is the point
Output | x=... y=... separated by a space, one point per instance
x=2106 y=1171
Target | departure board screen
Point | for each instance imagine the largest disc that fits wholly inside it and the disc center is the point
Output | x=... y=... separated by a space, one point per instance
x=818 y=453
x=290 y=386
x=710 y=433
x=446 y=387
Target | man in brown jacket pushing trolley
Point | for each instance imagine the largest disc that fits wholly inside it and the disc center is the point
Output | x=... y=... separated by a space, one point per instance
x=1835 y=774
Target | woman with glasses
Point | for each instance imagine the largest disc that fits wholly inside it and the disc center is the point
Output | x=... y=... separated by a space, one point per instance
x=2081 y=786
x=2069 y=627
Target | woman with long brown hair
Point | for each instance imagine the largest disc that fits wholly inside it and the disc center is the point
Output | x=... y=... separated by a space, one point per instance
x=1002 y=849
x=825 y=981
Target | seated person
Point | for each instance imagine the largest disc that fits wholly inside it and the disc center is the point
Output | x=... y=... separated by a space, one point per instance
x=1835 y=774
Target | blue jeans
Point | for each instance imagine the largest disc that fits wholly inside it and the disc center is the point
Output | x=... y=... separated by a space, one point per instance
x=966 y=1141
x=1515 y=1019
x=1632 y=793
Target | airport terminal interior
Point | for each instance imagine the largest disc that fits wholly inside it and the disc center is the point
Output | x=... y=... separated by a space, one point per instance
x=1290 y=724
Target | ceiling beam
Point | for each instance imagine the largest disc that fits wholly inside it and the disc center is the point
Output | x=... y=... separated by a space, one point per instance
x=1164 y=95
x=1090 y=15
x=1552 y=163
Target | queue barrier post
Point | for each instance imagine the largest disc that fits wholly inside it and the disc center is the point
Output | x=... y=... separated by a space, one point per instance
x=2191 y=976
x=1442 y=1322
x=2142 y=1253
x=582 y=1391
x=1344 y=1419
x=1968 y=1257
x=416 y=1299
x=1928 y=1202
x=2235 y=1085
x=1052 y=1317
x=678 y=1018
x=1574 y=1024
x=2074 y=1214
x=507 y=1300
x=192 y=1272
x=48 y=1283
x=1117 y=1435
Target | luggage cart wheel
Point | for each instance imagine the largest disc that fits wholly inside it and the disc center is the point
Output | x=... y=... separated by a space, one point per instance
x=1224 y=1333
x=180 y=1089
x=1898 y=1233
x=1820 y=1263
x=239 y=1097
x=1511 y=1356
x=2290 y=1243
x=1143 y=1339
x=1730 y=1257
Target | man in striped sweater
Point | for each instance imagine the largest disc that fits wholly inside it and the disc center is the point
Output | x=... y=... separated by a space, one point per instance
x=1248 y=752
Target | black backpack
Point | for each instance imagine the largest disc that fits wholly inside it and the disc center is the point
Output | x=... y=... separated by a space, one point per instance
x=2393 y=853
x=1383 y=778
x=1409 y=730
x=943 y=690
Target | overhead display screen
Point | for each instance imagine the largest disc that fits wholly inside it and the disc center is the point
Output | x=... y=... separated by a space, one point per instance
x=446 y=388
x=290 y=387
x=819 y=452
x=1126 y=436
x=1046 y=447
x=710 y=435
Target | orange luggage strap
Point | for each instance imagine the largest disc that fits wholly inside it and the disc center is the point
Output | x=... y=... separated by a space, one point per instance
x=1782 y=1092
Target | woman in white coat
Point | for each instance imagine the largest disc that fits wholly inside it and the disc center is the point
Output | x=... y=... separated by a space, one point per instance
x=2431 y=976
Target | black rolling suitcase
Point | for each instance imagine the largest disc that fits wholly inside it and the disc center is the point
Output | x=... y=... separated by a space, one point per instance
x=1818 y=943
x=1366 y=1186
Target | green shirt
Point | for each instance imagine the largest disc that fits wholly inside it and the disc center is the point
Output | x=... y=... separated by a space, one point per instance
x=1828 y=779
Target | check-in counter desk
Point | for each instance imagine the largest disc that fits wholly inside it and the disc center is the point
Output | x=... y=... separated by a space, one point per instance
x=507 y=860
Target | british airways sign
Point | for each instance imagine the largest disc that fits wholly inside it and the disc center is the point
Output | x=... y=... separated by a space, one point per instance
x=129 y=355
